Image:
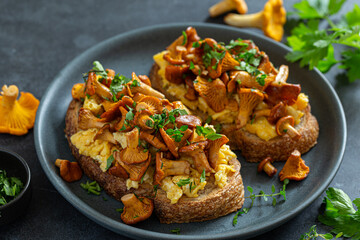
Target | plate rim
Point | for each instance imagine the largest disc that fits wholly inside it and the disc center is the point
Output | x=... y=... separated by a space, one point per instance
x=131 y=231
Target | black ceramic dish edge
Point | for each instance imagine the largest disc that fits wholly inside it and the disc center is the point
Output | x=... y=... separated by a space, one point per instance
x=140 y=233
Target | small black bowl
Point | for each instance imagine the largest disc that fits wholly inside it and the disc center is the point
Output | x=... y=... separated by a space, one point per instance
x=15 y=166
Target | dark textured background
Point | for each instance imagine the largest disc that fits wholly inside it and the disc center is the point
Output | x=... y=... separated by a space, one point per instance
x=38 y=38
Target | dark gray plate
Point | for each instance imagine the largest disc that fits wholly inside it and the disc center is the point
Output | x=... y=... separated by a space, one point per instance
x=133 y=51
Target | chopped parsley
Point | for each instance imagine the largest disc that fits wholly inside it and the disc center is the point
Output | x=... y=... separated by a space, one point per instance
x=92 y=187
x=10 y=187
x=192 y=66
x=196 y=44
x=120 y=210
x=117 y=85
x=99 y=69
x=109 y=161
x=175 y=230
x=203 y=177
x=183 y=182
x=210 y=53
x=207 y=132
x=185 y=38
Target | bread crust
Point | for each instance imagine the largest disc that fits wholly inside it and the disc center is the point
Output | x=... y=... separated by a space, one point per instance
x=212 y=203
x=253 y=148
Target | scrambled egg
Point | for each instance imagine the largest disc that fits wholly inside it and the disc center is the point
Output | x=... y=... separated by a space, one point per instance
x=223 y=168
x=225 y=116
x=91 y=103
x=264 y=130
x=174 y=192
x=99 y=150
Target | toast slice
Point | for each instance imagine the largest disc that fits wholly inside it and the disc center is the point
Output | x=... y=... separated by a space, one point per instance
x=212 y=201
x=219 y=82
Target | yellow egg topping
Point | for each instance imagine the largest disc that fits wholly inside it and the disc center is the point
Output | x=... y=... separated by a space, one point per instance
x=266 y=131
x=91 y=103
x=223 y=168
x=99 y=150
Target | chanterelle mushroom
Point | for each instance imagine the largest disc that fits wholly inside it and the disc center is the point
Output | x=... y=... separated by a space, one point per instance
x=197 y=153
x=286 y=125
x=227 y=63
x=144 y=88
x=105 y=134
x=133 y=153
x=153 y=141
x=244 y=79
x=69 y=171
x=170 y=143
x=143 y=120
x=136 y=171
x=165 y=167
x=86 y=120
x=294 y=168
x=136 y=209
x=213 y=92
x=17 y=116
x=214 y=148
x=270 y=20
x=228 y=5
x=249 y=99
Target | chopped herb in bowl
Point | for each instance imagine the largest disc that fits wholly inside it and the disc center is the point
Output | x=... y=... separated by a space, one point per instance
x=10 y=188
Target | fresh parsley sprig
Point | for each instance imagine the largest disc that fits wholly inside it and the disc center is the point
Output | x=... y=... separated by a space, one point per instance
x=264 y=196
x=312 y=234
x=315 y=47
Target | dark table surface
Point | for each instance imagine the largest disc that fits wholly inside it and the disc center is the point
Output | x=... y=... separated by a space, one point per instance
x=38 y=38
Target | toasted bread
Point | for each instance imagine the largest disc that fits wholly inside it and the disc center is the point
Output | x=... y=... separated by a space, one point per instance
x=253 y=148
x=212 y=202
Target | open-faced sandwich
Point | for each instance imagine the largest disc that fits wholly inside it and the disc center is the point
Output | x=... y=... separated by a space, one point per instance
x=237 y=89
x=150 y=152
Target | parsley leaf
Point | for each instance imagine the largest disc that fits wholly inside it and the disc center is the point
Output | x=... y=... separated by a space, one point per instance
x=207 y=132
x=184 y=38
x=99 y=69
x=314 y=47
x=117 y=85
x=203 y=177
x=109 y=161
x=351 y=62
x=175 y=230
x=341 y=214
x=10 y=187
x=183 y=182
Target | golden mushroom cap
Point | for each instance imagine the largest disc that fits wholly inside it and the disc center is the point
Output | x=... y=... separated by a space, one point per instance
x=274 y=17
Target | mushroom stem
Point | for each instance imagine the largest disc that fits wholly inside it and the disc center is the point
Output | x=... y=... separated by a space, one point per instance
x=266 y=166
x=248 y=20
x=293 y=133
x=269 y=169
x=58 y=162
x=10 y=95
x=220 y=8
x=130 y=200
x=261 y=113
x=226 y=6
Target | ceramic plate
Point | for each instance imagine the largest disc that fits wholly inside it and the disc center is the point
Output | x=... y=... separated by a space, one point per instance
x=133 y=51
